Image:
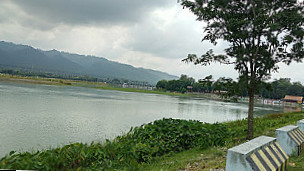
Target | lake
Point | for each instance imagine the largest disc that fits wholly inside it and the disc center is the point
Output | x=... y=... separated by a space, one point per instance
x=43 y=116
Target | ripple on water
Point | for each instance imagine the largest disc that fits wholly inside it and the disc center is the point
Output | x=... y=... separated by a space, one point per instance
x=40 y=116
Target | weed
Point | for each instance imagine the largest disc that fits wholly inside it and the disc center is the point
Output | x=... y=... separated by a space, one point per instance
x=137 y=146
x=197 y=146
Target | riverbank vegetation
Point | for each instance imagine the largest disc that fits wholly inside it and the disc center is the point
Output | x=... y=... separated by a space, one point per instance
x=224 y=87
x=227 y=87
x=71 y=77
x=86 y=84
x=169 y=144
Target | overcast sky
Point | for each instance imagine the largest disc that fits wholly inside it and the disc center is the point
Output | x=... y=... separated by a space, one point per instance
x=155 y=34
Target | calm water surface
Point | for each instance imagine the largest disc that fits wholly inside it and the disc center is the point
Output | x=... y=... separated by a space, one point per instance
x=42 y=116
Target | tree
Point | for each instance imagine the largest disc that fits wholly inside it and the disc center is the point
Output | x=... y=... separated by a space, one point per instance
x=198 y=87
x=219 y=85
x=280 y=87
x=260 y=33
x=227 y=85
x=188 y=80
x=207 y=82
x=295 y=89
x=162 y=84
x=266 y=90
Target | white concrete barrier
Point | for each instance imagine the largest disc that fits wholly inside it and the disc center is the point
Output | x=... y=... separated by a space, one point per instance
x=291 y=139
x=300 y=124
x=261 y=153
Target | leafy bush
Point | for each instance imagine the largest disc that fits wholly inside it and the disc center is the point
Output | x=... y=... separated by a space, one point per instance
x=168 y=135
x=127 y=151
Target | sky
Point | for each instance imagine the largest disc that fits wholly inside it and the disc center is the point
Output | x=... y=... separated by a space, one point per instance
x=154 y=34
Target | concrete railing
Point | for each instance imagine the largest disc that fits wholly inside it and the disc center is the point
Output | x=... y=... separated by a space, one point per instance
x=267 y=153
x=291 y=138
x=300 y=124
x=262 y=153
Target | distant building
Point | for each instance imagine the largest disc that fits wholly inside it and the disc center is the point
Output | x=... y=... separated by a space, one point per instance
x=293 y=99
x=189 y=88
x=146 y=87
x=125 y=85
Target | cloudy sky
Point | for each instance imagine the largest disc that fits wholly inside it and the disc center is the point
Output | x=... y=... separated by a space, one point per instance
x=155 y=34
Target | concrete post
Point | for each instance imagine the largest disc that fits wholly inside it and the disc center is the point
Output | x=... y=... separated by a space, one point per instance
x=262 y=153
x=291 y=139
x=300 y=124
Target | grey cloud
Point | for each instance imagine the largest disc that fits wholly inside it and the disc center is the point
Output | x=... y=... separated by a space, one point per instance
x=12 y=14
x=78 y=12
x=176 y=41
x=168 y=43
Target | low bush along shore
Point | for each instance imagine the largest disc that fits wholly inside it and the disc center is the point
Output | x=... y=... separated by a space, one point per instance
x=168 y=144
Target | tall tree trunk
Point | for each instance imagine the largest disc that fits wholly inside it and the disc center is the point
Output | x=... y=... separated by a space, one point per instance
x=250 y=113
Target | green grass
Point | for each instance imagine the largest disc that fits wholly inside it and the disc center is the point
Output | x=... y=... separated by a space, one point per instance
x=193 y=159
x=296 y=163
x=97 y=85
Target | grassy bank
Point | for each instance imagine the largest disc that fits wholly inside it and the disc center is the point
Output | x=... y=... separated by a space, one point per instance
x=97 y=85
x=167 y=144
x=100 y=85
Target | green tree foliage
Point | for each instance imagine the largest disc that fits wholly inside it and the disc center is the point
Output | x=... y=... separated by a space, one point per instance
x=295 y=89
x=280 y=88
x=162 y=84
x=265 y=90
x=227 y=85
x=260 y=33
x=114 y=81
x=48 y=75
x=179 y=85
x=207 y=83
x=199 y=87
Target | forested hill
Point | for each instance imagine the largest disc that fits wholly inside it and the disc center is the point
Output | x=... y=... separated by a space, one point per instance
x=31 y=59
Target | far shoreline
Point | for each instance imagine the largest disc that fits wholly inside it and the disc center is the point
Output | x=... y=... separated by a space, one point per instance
x=106 y=86
x=99 y=85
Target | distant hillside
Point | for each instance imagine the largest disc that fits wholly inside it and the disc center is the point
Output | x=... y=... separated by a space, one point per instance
x=31 y=59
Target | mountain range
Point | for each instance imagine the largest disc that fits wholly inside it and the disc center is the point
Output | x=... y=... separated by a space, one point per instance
x=31 y=59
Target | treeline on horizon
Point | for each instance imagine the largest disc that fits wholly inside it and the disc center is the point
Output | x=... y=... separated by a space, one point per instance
x=113 y=81
x=227 y=87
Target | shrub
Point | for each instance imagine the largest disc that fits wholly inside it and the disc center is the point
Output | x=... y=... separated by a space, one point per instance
x=168 y=135
x=127 y=151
